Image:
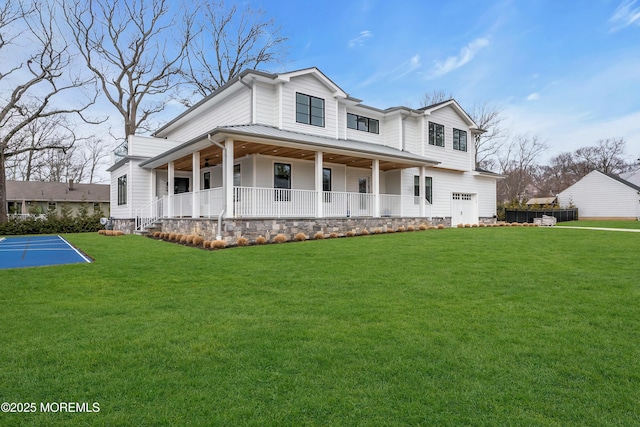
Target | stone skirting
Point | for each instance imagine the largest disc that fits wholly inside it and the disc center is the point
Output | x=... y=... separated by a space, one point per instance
x=253 y=228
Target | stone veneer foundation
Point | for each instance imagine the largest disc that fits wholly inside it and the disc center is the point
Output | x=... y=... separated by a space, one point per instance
x=253 y=228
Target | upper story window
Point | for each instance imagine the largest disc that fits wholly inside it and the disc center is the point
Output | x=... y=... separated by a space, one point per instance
x=309 y=110
x=459 y=140
x=362 y=123
x=436 y=134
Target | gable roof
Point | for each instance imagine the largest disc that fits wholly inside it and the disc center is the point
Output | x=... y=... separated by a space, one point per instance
x=458 y=109
x=286 y=77
x=622 y=181
x=36 y=191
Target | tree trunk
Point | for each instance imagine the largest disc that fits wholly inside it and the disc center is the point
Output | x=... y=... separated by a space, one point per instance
x=3 y=190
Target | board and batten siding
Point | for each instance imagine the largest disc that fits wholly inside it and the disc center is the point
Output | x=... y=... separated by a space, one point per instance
x=600 y=196
x=308 y=85
x=233 y=110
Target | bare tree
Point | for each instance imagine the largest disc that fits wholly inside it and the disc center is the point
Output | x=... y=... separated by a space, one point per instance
x=607 y=156
x=229 y=40
x=135 y=48
x=36 y=80
x=488 y=144
x=518 y=161
x=435 y=97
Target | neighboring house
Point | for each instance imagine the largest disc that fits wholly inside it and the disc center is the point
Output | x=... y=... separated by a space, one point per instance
x=633 y=177
x=603 y=196
x=295 y=145
x=35 y=197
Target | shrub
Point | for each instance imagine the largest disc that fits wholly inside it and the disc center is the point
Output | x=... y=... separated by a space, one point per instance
x=206 y=244
x=319 y=235
x=218 y=244
x=400 y=229
x=333 y=235
x=390 y=230
x=351 y=233
x=198 y=241
x=156 y=234
x=411 y=228
x=280 y=238
x=460 y=225
x=242 y=241
x=467 y=226
x=378 y=230
x=172 y=236
x=440 y=226
x=189 y=239
x=422 y=226
x=364 y=232
x=300 y=237
x=261 y=240
x=482 y=225
x=183 y=239
x=432 y=227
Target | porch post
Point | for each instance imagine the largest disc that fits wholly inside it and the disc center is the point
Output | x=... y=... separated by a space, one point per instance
x=319 y=186
x=422 y=191
x=195 y=185
x=227 y=177
x=375 y=184
x=170 y=185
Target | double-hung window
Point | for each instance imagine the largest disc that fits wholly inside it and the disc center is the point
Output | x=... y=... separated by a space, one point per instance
x=459 y=140
x=122 y=190
x=436 y=134
x=309 y=110
x=362 y=123
x=428 y=187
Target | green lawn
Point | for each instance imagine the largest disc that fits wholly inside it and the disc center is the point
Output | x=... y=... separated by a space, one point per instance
x=500 y=326
x=602 y=224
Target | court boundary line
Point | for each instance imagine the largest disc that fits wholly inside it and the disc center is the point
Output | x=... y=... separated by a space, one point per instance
x=75 y=249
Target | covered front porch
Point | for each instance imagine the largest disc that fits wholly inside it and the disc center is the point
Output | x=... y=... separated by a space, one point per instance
x=223 y=175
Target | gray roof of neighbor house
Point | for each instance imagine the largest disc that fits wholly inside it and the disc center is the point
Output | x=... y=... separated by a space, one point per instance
x=543 y=200
x=36 y=191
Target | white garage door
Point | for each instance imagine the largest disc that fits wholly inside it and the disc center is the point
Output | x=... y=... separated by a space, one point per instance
x=463 y=209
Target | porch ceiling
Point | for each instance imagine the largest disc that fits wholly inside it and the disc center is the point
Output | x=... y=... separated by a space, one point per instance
x=213 y=155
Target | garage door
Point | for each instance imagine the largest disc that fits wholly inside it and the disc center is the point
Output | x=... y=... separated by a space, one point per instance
x=463 y=209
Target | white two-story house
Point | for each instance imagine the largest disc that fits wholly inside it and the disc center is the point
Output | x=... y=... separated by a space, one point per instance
x=295 y=146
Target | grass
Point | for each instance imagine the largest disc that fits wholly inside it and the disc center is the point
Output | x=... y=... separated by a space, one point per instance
x=501 y=326
x=602 y=224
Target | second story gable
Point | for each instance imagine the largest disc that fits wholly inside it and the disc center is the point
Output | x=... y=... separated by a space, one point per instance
x=306 y=101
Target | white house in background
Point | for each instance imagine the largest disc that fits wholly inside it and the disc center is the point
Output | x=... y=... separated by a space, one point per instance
x=295 y=145
x=633 y=177
x=603 y=196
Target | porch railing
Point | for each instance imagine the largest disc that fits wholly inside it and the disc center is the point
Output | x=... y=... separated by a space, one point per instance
x=254 y=202
x=273 y=202
x=150 y=213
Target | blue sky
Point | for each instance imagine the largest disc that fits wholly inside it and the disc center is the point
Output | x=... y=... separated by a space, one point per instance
x=567 y=71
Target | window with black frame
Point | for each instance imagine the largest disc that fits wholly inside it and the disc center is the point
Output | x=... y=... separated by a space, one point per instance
x=459 y=140
x=428 y=188
x=122 y=190
x=282 y=182
x=326 y=184
x=436 y=134
x=309 y=110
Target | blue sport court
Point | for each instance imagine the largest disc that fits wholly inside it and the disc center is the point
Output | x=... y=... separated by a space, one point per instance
x=38 y=251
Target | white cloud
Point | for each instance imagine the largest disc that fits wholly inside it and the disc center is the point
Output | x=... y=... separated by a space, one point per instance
x=466 y=54
x=533 y=97
x=395 y=73
x=625 y=15
x=359 y=41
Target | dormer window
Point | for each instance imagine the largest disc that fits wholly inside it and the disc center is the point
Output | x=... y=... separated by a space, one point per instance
x=309 y=110
x=362 y=123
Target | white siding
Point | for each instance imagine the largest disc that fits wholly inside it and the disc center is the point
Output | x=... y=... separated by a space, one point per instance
x=599 y=196
x=266 y=104
x=233 y=110
x=118 y=211
x=450 y=158
x=308 y=85
x=144 y=146
x=412 y=135
x=391 y=131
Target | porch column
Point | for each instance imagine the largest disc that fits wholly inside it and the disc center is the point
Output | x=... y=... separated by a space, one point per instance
x=422 y=191
x=170 y=185
x=195 y=185
x=375 y=187
x=227 y=177
x=319 y=186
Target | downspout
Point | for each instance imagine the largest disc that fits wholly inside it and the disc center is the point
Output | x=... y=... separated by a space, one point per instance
x=216 y=143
